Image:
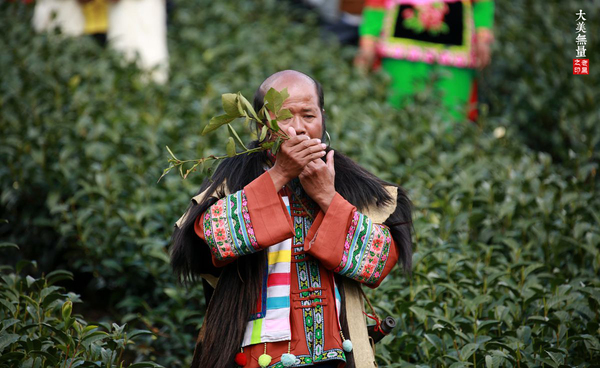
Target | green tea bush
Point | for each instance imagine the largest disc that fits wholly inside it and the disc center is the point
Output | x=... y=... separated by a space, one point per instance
x=507 y=239
x=38 y=329
x=507 y=261
x=531 y=87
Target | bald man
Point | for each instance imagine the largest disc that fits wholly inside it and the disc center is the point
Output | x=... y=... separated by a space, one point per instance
x=286 y=240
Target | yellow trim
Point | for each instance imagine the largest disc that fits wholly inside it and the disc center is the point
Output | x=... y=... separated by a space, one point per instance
x=96 y=16
x=280 y=256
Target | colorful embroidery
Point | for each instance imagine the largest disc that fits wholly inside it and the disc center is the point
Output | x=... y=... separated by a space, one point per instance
x=365 y=250
x=227 y=228
x=426 y=18
x=440 y=32
x=348 y=241
x=249 y=229
x=333 y=354
x=317 y=310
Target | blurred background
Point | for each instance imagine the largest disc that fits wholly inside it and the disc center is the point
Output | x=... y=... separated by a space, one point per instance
x=506 y=207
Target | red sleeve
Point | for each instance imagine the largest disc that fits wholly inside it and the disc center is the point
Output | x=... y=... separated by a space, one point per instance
x=349 y=243
x=245 y=222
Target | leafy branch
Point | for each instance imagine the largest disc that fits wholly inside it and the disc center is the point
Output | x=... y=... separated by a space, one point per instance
x=237 y=107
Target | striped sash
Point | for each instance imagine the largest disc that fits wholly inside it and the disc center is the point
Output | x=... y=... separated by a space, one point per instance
x=271 y=323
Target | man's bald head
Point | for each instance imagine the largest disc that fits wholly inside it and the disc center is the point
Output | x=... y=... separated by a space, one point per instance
x=298 y=85
x=288 y=75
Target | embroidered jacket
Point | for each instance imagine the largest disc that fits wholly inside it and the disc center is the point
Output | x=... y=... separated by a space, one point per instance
x=299 y=304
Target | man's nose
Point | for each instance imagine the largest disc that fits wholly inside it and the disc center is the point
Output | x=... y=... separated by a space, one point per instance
x=298 y=125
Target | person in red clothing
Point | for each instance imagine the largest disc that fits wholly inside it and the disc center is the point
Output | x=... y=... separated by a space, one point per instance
x=286 y=240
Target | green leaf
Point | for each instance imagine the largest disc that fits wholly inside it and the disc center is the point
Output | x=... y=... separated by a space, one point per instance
x=30 y=280
x=240 y=107
x=558 y=358
x=136 y=333
x=460 y=365
x=263 y=133
x=8 y=245
x=276 y=146
x=165 y=172
x=23 y=329
x=8 y=339
x=24 y=263
x=531 y=268
x=248 y=106
x=273 y=100
x=264 y=114
x=8 y=322
x=236 y=137
x=217 y=121
x=267 y=145
x=48 y=291
x=50 y=358
x=489 y=363
x=171 y=153
x=94 y=336
x=10 y=306
x=284 y=115
x=435 y=341
x=468 y=350
x=60 y=335
x=274 y=125
x=66 y=310
x=284 y=95
x=231 y=147
x=230 y=104
x=58 y=275
x=29 y=300
x=14 y=356
x=420 y=313
x=50 y=299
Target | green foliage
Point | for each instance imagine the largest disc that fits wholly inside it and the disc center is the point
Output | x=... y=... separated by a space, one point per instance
x=507 y=238
x=237 y=106
x=38 y=328
x=531 y=87
x=507 y=261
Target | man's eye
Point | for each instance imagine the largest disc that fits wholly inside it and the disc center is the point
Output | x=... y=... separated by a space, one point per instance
x=309 y=116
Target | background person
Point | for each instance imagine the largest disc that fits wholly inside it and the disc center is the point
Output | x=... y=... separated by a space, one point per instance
x=417 y=38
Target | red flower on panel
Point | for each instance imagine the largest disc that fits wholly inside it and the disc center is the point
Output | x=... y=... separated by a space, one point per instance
x=426 y=18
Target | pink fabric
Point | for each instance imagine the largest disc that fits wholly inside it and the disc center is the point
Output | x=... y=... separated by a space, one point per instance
x=278 y=279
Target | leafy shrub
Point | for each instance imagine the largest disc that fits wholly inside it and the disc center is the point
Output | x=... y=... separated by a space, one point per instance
x=507 y=262
x=38 y=329
x=530 y=86
x=507 y=239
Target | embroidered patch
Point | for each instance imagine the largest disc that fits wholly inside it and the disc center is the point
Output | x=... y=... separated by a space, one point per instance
x=227 y=228
x=348 y=241
x=365 y=250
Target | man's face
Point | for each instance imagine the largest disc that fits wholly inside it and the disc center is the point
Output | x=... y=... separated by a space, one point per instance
x=303 y=103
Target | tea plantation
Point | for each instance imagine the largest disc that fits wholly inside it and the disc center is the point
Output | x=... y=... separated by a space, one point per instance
x=506 y=211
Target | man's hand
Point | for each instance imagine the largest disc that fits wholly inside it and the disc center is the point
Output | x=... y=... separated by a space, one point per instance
x=292 y=157
x=483 y=48
x=366 y=55
x=318 y=180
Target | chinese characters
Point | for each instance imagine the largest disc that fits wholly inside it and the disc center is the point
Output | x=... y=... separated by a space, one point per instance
x=581 y=66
